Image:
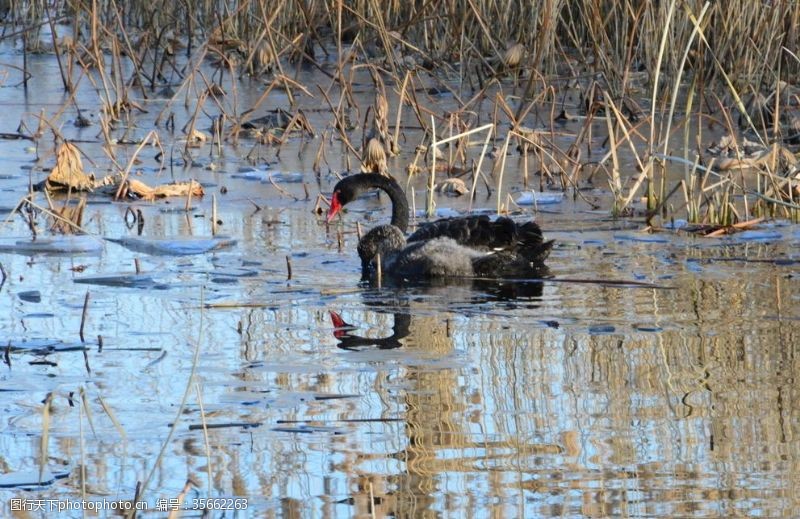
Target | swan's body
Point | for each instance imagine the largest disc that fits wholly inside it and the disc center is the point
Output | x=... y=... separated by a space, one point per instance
x=471 y=246
x=440 y=257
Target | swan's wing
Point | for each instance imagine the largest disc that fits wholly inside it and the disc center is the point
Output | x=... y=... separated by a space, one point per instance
x=470 y=231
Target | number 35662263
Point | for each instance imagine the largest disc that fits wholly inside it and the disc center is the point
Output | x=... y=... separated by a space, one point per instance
x=219 y=503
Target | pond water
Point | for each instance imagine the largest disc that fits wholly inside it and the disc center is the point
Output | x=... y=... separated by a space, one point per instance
x=653 y=375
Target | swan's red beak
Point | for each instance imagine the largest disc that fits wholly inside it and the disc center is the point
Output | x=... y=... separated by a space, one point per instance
x=340 y=326
x=335 y=207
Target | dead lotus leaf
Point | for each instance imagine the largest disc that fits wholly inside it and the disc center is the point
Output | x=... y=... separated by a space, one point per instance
x=68 y=171
x=729 y=163
x=381 y=109
x=412 y=169
x=197 y=138
x=513 y=55
x=68 y=174
x=177 y=189
x=452 y=187
x=375 y=158
x=775 y=157
x=263 y=59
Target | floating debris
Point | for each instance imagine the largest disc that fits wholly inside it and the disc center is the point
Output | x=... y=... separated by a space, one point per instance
x=269 y=176
x=138 y=189
x=278 y=123
x=601 y=329
x=643 y=238
x=648 y=328
x=442 y=212
x=228 y=425
x=123 y=280
x=452 y=187
x=43 y=346
x=759 y=235
x=677 y=223
x=534 y=198
x=179 y=246
x=68 y=175
x=307 y=429
x=80 y=244
x=30 y=478
x=31 y=296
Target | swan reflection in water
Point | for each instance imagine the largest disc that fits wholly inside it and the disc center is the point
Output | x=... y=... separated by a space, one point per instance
x=350 y=341
x=503 y=294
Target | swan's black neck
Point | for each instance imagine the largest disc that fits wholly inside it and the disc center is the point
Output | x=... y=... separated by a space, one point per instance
x=364 y=181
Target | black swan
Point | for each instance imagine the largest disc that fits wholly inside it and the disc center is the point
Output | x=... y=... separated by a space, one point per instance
x=470 y=246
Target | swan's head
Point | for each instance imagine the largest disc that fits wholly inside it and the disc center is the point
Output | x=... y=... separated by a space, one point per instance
x=344 y=192
x=385 y=240
x=349 y=188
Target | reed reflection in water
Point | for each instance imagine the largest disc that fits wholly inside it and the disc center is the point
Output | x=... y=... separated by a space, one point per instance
x=623 y=411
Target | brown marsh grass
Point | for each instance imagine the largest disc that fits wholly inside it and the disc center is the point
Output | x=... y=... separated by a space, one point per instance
x=654 y=73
